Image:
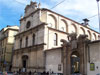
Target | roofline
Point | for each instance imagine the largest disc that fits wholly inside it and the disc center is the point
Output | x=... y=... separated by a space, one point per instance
x=6 y=27
x=11 y=29
x=53 y=49
x=45 y=9
x=69 y=19
x=96 y=41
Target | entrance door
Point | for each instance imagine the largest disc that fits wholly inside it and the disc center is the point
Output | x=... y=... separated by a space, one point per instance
x=24 y=62
x=75 y=63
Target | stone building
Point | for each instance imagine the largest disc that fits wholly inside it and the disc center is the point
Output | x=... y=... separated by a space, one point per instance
x=93 y=64
x=6 y=45
x=38 y=46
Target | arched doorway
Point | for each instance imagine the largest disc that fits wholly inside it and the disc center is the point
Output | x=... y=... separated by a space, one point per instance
x=75 y=63
x=24 y=62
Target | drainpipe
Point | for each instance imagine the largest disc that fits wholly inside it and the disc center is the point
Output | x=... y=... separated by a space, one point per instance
x=88 y=53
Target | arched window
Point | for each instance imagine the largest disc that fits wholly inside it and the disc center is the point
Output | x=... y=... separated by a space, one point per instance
x=98 y=37
x=63 y=25
x=82 y=31
x=73 y=28
x=52 y=20
x=20 y=43
x=55 y=39
x=89 y=35
x=62 y=29
x=94 y=36
x=49 y=24
x=33 y=39
x=26 y=41
x=28 y=24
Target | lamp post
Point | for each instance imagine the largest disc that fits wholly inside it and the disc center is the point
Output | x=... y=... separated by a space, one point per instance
x=98 y=13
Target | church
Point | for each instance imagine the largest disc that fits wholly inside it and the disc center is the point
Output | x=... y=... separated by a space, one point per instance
x=48 y=41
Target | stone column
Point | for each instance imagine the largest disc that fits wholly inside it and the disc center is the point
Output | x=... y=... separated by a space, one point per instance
x=66 y=63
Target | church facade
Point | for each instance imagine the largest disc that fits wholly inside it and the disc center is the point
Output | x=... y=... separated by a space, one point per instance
x=38 y=45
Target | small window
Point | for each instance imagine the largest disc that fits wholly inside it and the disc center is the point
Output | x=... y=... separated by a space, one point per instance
x=59 y=67
x=28 y=24
x=62 y=28
x=20 y=43
x=33 y=40
x=50 y=25
x=26 y=41
x=98 y=37
x=55 y=39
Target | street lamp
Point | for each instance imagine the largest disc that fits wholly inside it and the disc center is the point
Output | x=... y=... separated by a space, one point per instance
x=98 y=13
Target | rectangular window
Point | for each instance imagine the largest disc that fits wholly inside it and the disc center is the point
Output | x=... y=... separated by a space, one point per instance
x=33 y=40
x=59 y=67
x=26 y=41
x=55 y=39
x=20 y=43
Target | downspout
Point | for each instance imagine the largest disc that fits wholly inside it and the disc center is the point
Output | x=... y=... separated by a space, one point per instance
x=88 y=54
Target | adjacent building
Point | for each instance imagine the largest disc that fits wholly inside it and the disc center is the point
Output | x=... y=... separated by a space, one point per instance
x=93 y=67
x=6 y=46
x=38 y=45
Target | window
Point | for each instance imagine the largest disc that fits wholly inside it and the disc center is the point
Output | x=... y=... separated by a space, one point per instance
x=99 y=37
x=50 y=25
x=33 y=39
x=28 y=24
x=26 y=41
x=59 y=67
x=20 y=43
x=55 y=39
x=62 y=28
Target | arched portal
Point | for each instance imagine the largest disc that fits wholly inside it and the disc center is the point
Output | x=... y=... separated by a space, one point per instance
x=75 y=63
x=24 y=62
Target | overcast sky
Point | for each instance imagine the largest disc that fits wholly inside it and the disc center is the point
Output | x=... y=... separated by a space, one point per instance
x=11 y=10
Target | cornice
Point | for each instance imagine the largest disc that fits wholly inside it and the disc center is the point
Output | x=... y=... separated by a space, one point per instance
x=37 y=26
